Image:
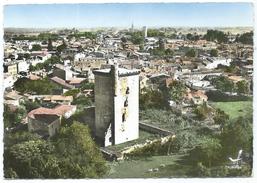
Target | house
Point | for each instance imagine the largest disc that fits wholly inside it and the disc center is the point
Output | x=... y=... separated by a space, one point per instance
x=236 y=79
x=46 y=121
x=212 y=63
x=76 y=82
x=52 y=98
x=11 y=68
x=196 y=97
x=23 y=66
x=8 y=80
x=62 y=72
x=62 y=83
x=12 y=98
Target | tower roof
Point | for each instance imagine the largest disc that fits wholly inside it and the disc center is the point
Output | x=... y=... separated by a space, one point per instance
x=121 y=72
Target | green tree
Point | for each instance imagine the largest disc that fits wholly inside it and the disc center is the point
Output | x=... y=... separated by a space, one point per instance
x=61 y=48
x=207 y=152
x=214 y=53
x=220 y=118
x=215 y=35
x=36 y=47
x=223 y=83
x=39 y=87
x=82 y=100
x=72 y=92
x=78 y=153
x=202 y=111
x=50 y=45
x=242 y=87
x=137 y=38
x=26 y=55
x=237 y=134
x=177 y=91
x=11 y=139
x=30 y=159
x=152 y=99
x=245 y=38
x=86 y=85
x=29 y=105
x=191 y=53
x=169 y=52
x=155 y=33
x=12 y=117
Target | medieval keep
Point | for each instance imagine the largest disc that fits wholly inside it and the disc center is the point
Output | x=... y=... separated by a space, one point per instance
x=116 y=105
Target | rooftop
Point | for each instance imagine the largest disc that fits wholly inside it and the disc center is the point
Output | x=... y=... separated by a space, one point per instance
x=121 y=71
x=58 y=111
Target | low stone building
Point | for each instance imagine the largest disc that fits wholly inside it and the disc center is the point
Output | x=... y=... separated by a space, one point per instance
x=47 y=122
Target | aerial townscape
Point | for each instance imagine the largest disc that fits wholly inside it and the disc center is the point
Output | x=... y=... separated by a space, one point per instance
x=135 y=102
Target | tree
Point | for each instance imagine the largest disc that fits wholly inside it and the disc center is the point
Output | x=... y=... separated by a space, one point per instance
x=86 y=85
x=12 y=117
x=152 y=99
x=223 y=83
x=214 y=53
x=29 y=105
x=215 y=35
x=39 y=87
x=50 y=45
x=78 y=153
x=237 y=134
x=169 y=52
x=245 y=38
x=191 y=53
x=155 y=33
x=177 y=91
x=71 y=154
x=242 y=87
x=26 y=55
x=62 y=47
x=82 y=100
x=30 y=159
x=36 y=47
x=72 y=92
x=220 y=118
x=207 y=152
x=137 y=38
x=202 y=111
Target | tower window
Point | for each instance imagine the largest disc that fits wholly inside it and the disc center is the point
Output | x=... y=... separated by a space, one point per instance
x=127 y=91
x=123 y=117
x=126 y=102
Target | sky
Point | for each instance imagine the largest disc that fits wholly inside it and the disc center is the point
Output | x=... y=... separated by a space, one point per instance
x=123 y=15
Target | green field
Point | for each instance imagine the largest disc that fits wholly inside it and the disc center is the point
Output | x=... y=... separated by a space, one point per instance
x=167 y=165
x=235 y=109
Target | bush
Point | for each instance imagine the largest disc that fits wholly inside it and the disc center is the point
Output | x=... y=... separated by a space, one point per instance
x=156 y=148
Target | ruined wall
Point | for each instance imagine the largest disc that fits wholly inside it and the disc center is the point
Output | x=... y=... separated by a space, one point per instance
x=54 y=127
x=35 y=125
x=103 y=104
x=59 y=73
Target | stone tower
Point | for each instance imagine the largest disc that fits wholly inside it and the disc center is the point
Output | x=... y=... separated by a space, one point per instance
x=116 y=105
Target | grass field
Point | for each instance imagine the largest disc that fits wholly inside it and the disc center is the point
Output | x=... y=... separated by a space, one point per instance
x=235 y=109
x=167 y=166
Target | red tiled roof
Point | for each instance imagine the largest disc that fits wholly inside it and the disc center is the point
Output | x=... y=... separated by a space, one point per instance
x=58 y=110
x=61 y=82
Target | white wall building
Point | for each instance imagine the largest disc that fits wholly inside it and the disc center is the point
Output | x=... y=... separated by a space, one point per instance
x=23 y=66
x=213 y=63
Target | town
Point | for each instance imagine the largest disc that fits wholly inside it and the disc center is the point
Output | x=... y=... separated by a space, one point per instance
x=135 y=102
